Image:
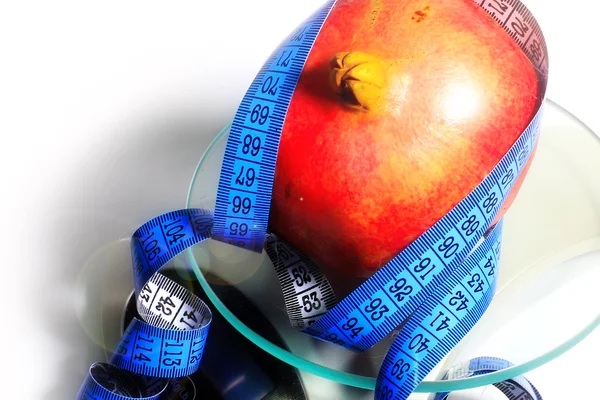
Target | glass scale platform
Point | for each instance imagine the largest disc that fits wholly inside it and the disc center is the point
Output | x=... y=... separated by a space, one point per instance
x=546 y=301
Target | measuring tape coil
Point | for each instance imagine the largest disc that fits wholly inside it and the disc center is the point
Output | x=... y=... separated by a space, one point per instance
x=517 y=388
x=169 y=341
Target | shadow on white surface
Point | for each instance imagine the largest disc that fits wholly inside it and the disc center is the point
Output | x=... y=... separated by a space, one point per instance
x=138 y=174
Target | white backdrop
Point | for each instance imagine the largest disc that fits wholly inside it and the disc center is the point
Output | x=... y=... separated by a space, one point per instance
x=105 y=110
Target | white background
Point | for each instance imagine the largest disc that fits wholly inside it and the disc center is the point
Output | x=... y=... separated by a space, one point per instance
x=105 y=110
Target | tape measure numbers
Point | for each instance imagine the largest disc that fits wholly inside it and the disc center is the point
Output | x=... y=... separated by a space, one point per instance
x=248 y=169
x=168 y=343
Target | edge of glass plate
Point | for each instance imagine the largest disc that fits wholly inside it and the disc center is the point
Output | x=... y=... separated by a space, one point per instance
x=365 y=382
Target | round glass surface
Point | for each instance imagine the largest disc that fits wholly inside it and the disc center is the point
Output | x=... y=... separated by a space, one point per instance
x=546 y=301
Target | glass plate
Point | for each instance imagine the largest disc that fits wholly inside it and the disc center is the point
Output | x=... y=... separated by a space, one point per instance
x=546 y=300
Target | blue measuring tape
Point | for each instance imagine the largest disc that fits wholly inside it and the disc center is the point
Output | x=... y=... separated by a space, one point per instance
x=169 y=342
x=436 y=289
x=518 y=388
